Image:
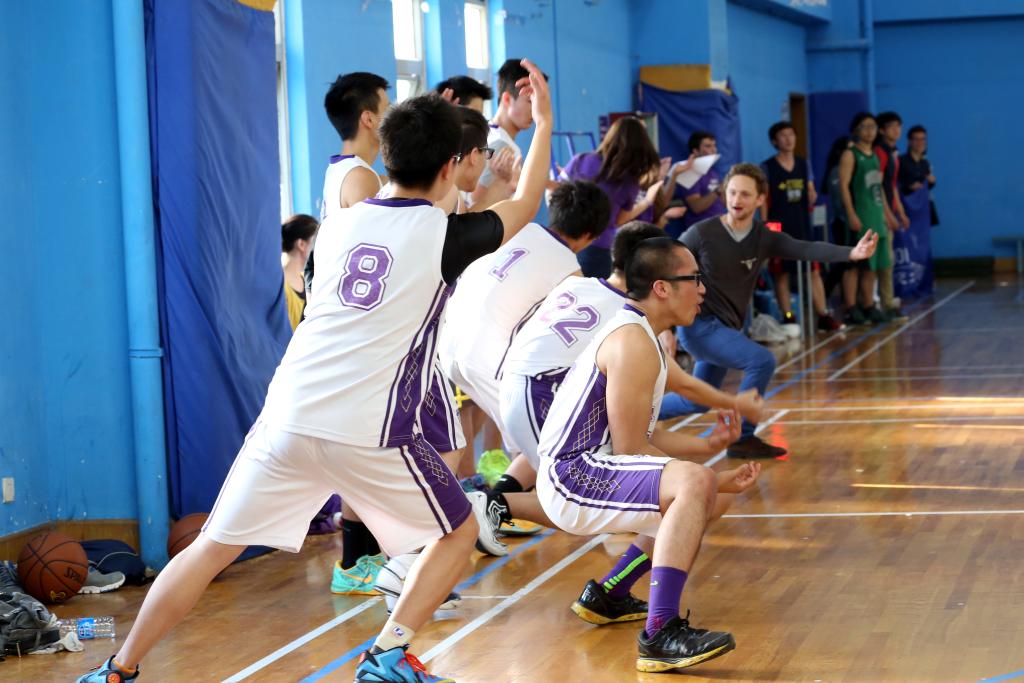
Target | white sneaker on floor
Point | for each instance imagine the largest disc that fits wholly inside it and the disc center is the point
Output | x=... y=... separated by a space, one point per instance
x=391 y=580
x=98 y=582
x=487 y=540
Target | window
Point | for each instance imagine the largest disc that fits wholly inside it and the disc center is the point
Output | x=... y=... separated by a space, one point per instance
x=283 y=144
x=478 y=56
x=407 y=16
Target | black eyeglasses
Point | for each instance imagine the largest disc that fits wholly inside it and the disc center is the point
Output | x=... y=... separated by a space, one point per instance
x=696 y=278
x=488 y=152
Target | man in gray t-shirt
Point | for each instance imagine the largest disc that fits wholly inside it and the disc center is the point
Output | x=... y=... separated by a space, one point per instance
x=730 y=251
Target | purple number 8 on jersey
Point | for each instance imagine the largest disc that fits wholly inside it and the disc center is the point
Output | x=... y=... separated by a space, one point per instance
x=366 y=270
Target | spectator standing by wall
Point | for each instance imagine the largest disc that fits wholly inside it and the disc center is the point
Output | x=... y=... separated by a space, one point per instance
x=915 y=168
x=296 y=237
x=791 y=194
x=890 y=128
x=860 y=182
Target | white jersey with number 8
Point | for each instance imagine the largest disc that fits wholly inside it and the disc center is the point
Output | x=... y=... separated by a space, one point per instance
x=358 y=366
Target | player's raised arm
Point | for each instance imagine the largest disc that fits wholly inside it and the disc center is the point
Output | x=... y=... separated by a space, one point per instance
x=522 y=207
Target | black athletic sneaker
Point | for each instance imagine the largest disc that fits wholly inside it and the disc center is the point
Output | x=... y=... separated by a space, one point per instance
x=751 y=447
x=875 y=316
x=677 y=645
x=595 y=606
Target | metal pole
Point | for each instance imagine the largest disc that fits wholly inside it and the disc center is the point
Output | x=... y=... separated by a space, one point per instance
x=144 y=351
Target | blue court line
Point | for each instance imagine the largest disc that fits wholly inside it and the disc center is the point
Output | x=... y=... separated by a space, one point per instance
x=1004 y=677
x=468 y=583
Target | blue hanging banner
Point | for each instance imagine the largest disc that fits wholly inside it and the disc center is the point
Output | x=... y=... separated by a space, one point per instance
x=912 y=270
x=213 y=130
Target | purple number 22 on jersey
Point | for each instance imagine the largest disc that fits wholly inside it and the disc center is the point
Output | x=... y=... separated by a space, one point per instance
x=501 y=272
x=366 y=270
x=587 y=320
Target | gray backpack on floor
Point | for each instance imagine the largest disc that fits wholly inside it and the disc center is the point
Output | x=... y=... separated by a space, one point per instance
x=24 y=624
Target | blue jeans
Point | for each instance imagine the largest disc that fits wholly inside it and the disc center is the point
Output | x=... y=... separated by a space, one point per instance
x=716 y=348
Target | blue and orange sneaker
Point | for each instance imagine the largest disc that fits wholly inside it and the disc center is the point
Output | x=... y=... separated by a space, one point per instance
x=394 y=666
x=108 y=673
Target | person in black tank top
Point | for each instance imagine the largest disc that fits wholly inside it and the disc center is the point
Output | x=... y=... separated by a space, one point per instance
x=791 y=194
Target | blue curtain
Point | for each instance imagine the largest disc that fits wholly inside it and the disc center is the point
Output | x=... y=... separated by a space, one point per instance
x=213 y=124
x=683 y=113
x=830 y=114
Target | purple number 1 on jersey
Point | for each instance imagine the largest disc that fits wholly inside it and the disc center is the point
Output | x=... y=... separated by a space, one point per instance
x=587 y=320
x=366 y=270
x=501 y=272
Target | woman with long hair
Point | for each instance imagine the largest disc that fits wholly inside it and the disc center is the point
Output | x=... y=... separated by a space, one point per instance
x=623 y=164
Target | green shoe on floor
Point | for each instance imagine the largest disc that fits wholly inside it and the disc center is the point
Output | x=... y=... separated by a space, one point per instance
x=357 y=580
x=492 y=465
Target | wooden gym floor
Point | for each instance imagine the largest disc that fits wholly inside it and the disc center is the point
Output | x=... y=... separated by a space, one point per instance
x=886 y=548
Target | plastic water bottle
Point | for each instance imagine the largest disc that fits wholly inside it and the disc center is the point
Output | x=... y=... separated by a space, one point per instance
x=89 y=628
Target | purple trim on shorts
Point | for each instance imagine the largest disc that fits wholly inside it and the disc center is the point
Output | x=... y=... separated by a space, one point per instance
x=454 y=505
x=512 y=335
x=540 y=389
x=245 y=442
x=494 y=126
x=335 y=158
x=609 y=286
x=397 y=203
x=402 y=420
x=631 y=307
x=625 y=488
x=438 y=425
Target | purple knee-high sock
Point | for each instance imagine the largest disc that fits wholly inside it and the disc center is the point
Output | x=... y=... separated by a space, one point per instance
x=666 y=590
x=627 y=571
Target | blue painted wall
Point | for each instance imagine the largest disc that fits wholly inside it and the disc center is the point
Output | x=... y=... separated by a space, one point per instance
x=339 y=37
x=971 y=110
x=65 y=412
x=767 y=62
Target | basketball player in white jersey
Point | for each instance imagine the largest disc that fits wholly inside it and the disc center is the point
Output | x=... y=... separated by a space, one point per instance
x=340 y=412
x=355 y=104
x=513 y=117
x=547 y=346
x=564 y=325
x=604 y=468
x=498 y=294
x=439 y=413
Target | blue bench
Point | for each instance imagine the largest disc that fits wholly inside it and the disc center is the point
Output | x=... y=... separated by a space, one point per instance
x=1019 y=241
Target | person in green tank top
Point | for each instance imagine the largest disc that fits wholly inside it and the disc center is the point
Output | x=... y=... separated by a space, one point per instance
x=860 y=181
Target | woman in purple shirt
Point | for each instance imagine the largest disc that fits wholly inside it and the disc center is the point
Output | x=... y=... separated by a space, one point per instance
x=625 y=162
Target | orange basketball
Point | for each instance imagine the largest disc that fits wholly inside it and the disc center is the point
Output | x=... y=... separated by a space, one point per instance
x=53 y=567
x=184 y=531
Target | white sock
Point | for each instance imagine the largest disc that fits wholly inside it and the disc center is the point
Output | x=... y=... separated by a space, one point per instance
x=393 y=635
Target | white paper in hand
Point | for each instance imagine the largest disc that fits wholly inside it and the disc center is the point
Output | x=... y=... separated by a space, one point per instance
x=701 y=165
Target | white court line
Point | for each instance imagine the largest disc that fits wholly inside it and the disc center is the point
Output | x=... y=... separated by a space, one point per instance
x=913 y=368
x=916 y=378
x=771 y=420
x=894 y=420
x=995 y=405
x=811 y=350
x=300 y=641
x=682 y=423
x=925 y=513
x=898 y=420
x=917 y=318
x=512 y=599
